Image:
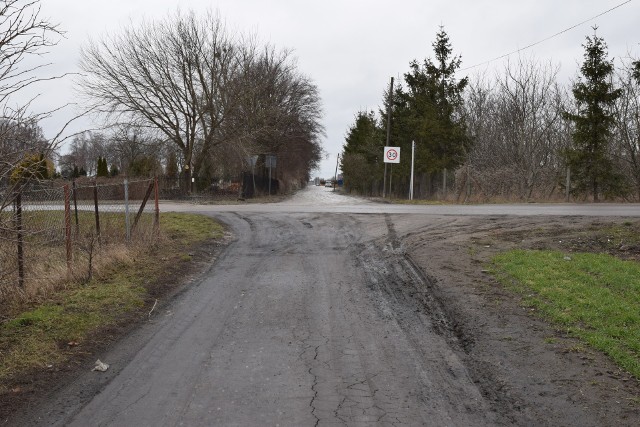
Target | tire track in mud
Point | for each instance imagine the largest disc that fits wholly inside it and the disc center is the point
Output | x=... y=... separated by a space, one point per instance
x=412 y=297
x=523 y=378
x=405 y=295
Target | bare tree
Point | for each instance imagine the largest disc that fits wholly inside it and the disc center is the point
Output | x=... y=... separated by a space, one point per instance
x=530 y=112
x=627 y=128
x=23 y=34
x=134 y=151
x=81 y=154
x=480 y=110
x=518 y=131
x=205 y=91
x=168 y=76
x=278 y=112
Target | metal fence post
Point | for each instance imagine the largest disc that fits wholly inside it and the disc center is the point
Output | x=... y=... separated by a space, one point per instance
x=67 y=226
x=95 y=204
x=18 y=218
x=126 y=209
x=156 y=219
x=142 y=206
x=75 y=207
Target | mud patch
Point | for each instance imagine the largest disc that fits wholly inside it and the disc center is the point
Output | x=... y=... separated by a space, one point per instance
x=532 y=373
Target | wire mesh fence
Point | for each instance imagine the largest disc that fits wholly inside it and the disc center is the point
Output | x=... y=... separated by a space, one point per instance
x=52 y=234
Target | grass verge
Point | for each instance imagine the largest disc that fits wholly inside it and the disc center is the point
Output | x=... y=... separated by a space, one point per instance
x=595 y=297
x=50 y=331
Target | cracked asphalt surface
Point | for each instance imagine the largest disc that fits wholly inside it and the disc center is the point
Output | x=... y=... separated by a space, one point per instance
x=309 y=318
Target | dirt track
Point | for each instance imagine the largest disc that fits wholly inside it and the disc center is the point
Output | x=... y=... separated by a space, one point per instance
x=531 y=373
x=355 y=319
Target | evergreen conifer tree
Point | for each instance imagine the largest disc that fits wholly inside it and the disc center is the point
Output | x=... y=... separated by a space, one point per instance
x=103 y=169
x=428 y=110
x=361 y=162
x=592 y=170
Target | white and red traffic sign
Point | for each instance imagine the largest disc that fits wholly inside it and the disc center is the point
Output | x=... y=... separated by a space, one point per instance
x=392 y=154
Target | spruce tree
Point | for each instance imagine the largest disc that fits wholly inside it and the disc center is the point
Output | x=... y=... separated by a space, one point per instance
x=103 y=169
x=361 y=162
x=592 y=170
x=428 y=110
x=365 y=137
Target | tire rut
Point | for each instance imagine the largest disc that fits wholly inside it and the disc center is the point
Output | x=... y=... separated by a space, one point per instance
x=408 y=296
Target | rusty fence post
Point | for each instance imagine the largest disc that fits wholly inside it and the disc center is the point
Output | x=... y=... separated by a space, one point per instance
x=20 y=236
x=142 y=206
x=95 y=204
x=156 y=218
x=126 y=210
x=75 y=206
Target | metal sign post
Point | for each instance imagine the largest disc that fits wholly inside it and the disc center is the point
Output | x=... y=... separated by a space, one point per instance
x=384 y=182
x=252 y=161
x=413 y=156
x=391 y=155
x=271 y=163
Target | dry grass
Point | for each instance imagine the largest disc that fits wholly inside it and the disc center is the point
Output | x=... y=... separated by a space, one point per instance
x=48 y=321
x=45 y=256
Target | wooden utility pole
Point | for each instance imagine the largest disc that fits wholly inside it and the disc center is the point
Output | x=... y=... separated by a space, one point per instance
x=389 y=104
x=568 y=185
x=335 y=177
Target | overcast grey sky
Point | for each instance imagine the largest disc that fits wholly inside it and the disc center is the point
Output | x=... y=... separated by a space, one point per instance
x=351 y=48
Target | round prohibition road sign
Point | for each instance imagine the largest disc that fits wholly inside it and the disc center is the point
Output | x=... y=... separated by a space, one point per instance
x=392 y=154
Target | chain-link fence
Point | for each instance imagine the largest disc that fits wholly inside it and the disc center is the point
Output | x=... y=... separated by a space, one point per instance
x=247 y=185
x=51 y=234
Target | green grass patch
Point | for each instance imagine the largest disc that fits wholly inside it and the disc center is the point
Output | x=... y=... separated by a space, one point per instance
x=48 y=332
x=190 y=228
x=40 y=337
x=595 y=297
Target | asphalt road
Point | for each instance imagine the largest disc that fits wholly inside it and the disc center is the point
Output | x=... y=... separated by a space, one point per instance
x=302 y=321
x=324 y=200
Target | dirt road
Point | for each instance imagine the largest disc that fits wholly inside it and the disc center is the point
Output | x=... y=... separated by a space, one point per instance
x=362 y=318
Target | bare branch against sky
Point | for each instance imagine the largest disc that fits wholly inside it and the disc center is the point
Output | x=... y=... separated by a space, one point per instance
x=350 y=49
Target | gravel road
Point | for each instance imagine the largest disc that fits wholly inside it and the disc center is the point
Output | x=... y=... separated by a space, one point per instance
x=322 y=311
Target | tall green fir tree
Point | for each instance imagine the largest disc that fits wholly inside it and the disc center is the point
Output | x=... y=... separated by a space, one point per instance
x=361 y=162
x=592 y=169
x=103 y=169
x=428 y=110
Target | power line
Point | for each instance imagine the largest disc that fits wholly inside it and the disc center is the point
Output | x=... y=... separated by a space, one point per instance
x=548 y=38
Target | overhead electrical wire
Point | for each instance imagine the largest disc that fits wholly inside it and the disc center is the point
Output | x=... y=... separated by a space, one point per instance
x=546 y=39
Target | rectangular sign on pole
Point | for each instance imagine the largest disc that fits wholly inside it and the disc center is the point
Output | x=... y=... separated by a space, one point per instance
x=270 y=161
x=413 y=156
x=392 y=154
